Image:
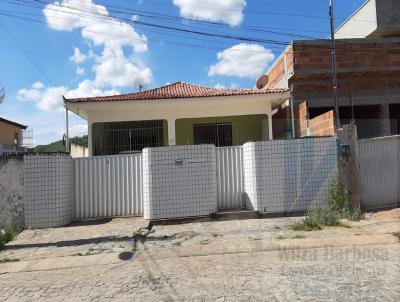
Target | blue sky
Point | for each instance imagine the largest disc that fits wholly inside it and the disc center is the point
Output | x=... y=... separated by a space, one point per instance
x=86 y=48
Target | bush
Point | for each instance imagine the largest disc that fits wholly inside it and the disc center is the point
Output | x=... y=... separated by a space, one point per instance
x=337 y=206
x=6 y=235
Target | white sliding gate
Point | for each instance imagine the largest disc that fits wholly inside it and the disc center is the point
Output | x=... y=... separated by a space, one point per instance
x=230 y=184
x=380 y=172
x=107 y=186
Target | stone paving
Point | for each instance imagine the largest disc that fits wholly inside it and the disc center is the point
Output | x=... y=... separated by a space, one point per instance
x=212 y=261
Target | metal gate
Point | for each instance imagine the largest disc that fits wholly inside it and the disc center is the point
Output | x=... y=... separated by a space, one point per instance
x=380 y=172
x=107 y=186
x=230 y=180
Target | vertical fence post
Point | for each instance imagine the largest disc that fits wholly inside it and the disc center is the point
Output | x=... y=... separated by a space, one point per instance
x=348 y=164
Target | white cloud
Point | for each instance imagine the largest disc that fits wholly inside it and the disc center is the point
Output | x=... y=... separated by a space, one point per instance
x=67 y=14
x=116 y=70
x=78 y=130
x=219 y=86
x=78 y=57
x=80 y=71
x=50 y=98
x=243 y=61
x=88 y=88
x=26 y=94
x=37 y=85
x=226 y=11
x=114 y=34
x=116 y=67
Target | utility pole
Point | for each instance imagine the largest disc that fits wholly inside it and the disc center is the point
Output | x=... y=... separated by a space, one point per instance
x=334 y=67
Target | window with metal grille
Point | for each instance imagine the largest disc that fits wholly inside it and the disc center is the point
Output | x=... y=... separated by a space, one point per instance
x=216 y=134
x=119 y=137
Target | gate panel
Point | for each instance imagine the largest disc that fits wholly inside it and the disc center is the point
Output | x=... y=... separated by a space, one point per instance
x=380 y=172
x=230 y=184
x=107 y=186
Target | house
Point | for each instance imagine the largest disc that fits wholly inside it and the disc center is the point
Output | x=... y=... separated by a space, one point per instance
x=368 y=69
x=177 y=114
x=10 y=135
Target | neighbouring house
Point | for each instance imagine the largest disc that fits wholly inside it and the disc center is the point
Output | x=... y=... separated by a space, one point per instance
x=177 y=114
x=368 y=62
x=78 y=150
x=11 y=136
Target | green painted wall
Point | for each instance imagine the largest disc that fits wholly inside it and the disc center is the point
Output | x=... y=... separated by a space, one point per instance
x=165 y=132
x=245 y=128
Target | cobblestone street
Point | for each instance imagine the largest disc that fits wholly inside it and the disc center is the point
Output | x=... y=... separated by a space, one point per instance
x=360 y=263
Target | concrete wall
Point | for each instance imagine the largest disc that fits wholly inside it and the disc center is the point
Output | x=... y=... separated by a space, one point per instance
x=288 y=175
x=356 y=26
x=244 y=128
x=375 y=18
x=78 y=150
x=47 y=191
x=11 y=192
x=179 y=181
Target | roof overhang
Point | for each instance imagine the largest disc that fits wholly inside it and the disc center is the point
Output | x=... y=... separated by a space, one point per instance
x=13 y=123
x=83 y=108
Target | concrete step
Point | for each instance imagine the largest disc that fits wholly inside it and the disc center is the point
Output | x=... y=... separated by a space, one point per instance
x=235 y=214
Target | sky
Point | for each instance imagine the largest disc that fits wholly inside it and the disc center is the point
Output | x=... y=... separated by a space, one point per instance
x=81 y=48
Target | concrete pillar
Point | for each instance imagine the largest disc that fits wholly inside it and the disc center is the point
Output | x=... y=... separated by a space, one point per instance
x=171 y=132
x=348 y=166
x=90 y=139
x=384 y=117
x=270 y=130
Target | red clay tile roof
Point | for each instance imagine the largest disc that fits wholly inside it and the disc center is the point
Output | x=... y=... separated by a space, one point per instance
x=174 y=91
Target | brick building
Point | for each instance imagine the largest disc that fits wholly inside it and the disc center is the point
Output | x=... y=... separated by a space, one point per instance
x=368 y=81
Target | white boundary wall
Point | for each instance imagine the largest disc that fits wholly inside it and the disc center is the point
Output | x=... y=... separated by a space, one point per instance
x=379 y=172
x=47 y=191
x=288 y=175
x=107 y=186
x=179 y=181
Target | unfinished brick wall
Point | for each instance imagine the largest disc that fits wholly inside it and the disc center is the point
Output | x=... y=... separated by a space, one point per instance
x=276 y=74
x=322 y=125
x=363 y=65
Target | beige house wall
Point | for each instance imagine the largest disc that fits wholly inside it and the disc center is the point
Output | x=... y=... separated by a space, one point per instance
x=7 y=133
x=174 y=109
x=78 y=150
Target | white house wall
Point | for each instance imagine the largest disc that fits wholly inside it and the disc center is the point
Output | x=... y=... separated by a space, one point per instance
x=174 y=109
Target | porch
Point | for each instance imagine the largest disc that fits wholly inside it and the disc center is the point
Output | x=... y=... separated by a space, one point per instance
x=110 y=138
x=177 y=114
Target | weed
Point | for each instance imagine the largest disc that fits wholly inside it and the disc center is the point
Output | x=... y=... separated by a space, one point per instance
x=281 y=237
x=178 y=243
x=6 y=235
x=141 y=233
x=205 y=241
x=7 y=260
x=397 y=234
x=337 y=206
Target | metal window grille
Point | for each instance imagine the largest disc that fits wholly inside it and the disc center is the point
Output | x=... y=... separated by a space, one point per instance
x=123 y=137
x=219 y=135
